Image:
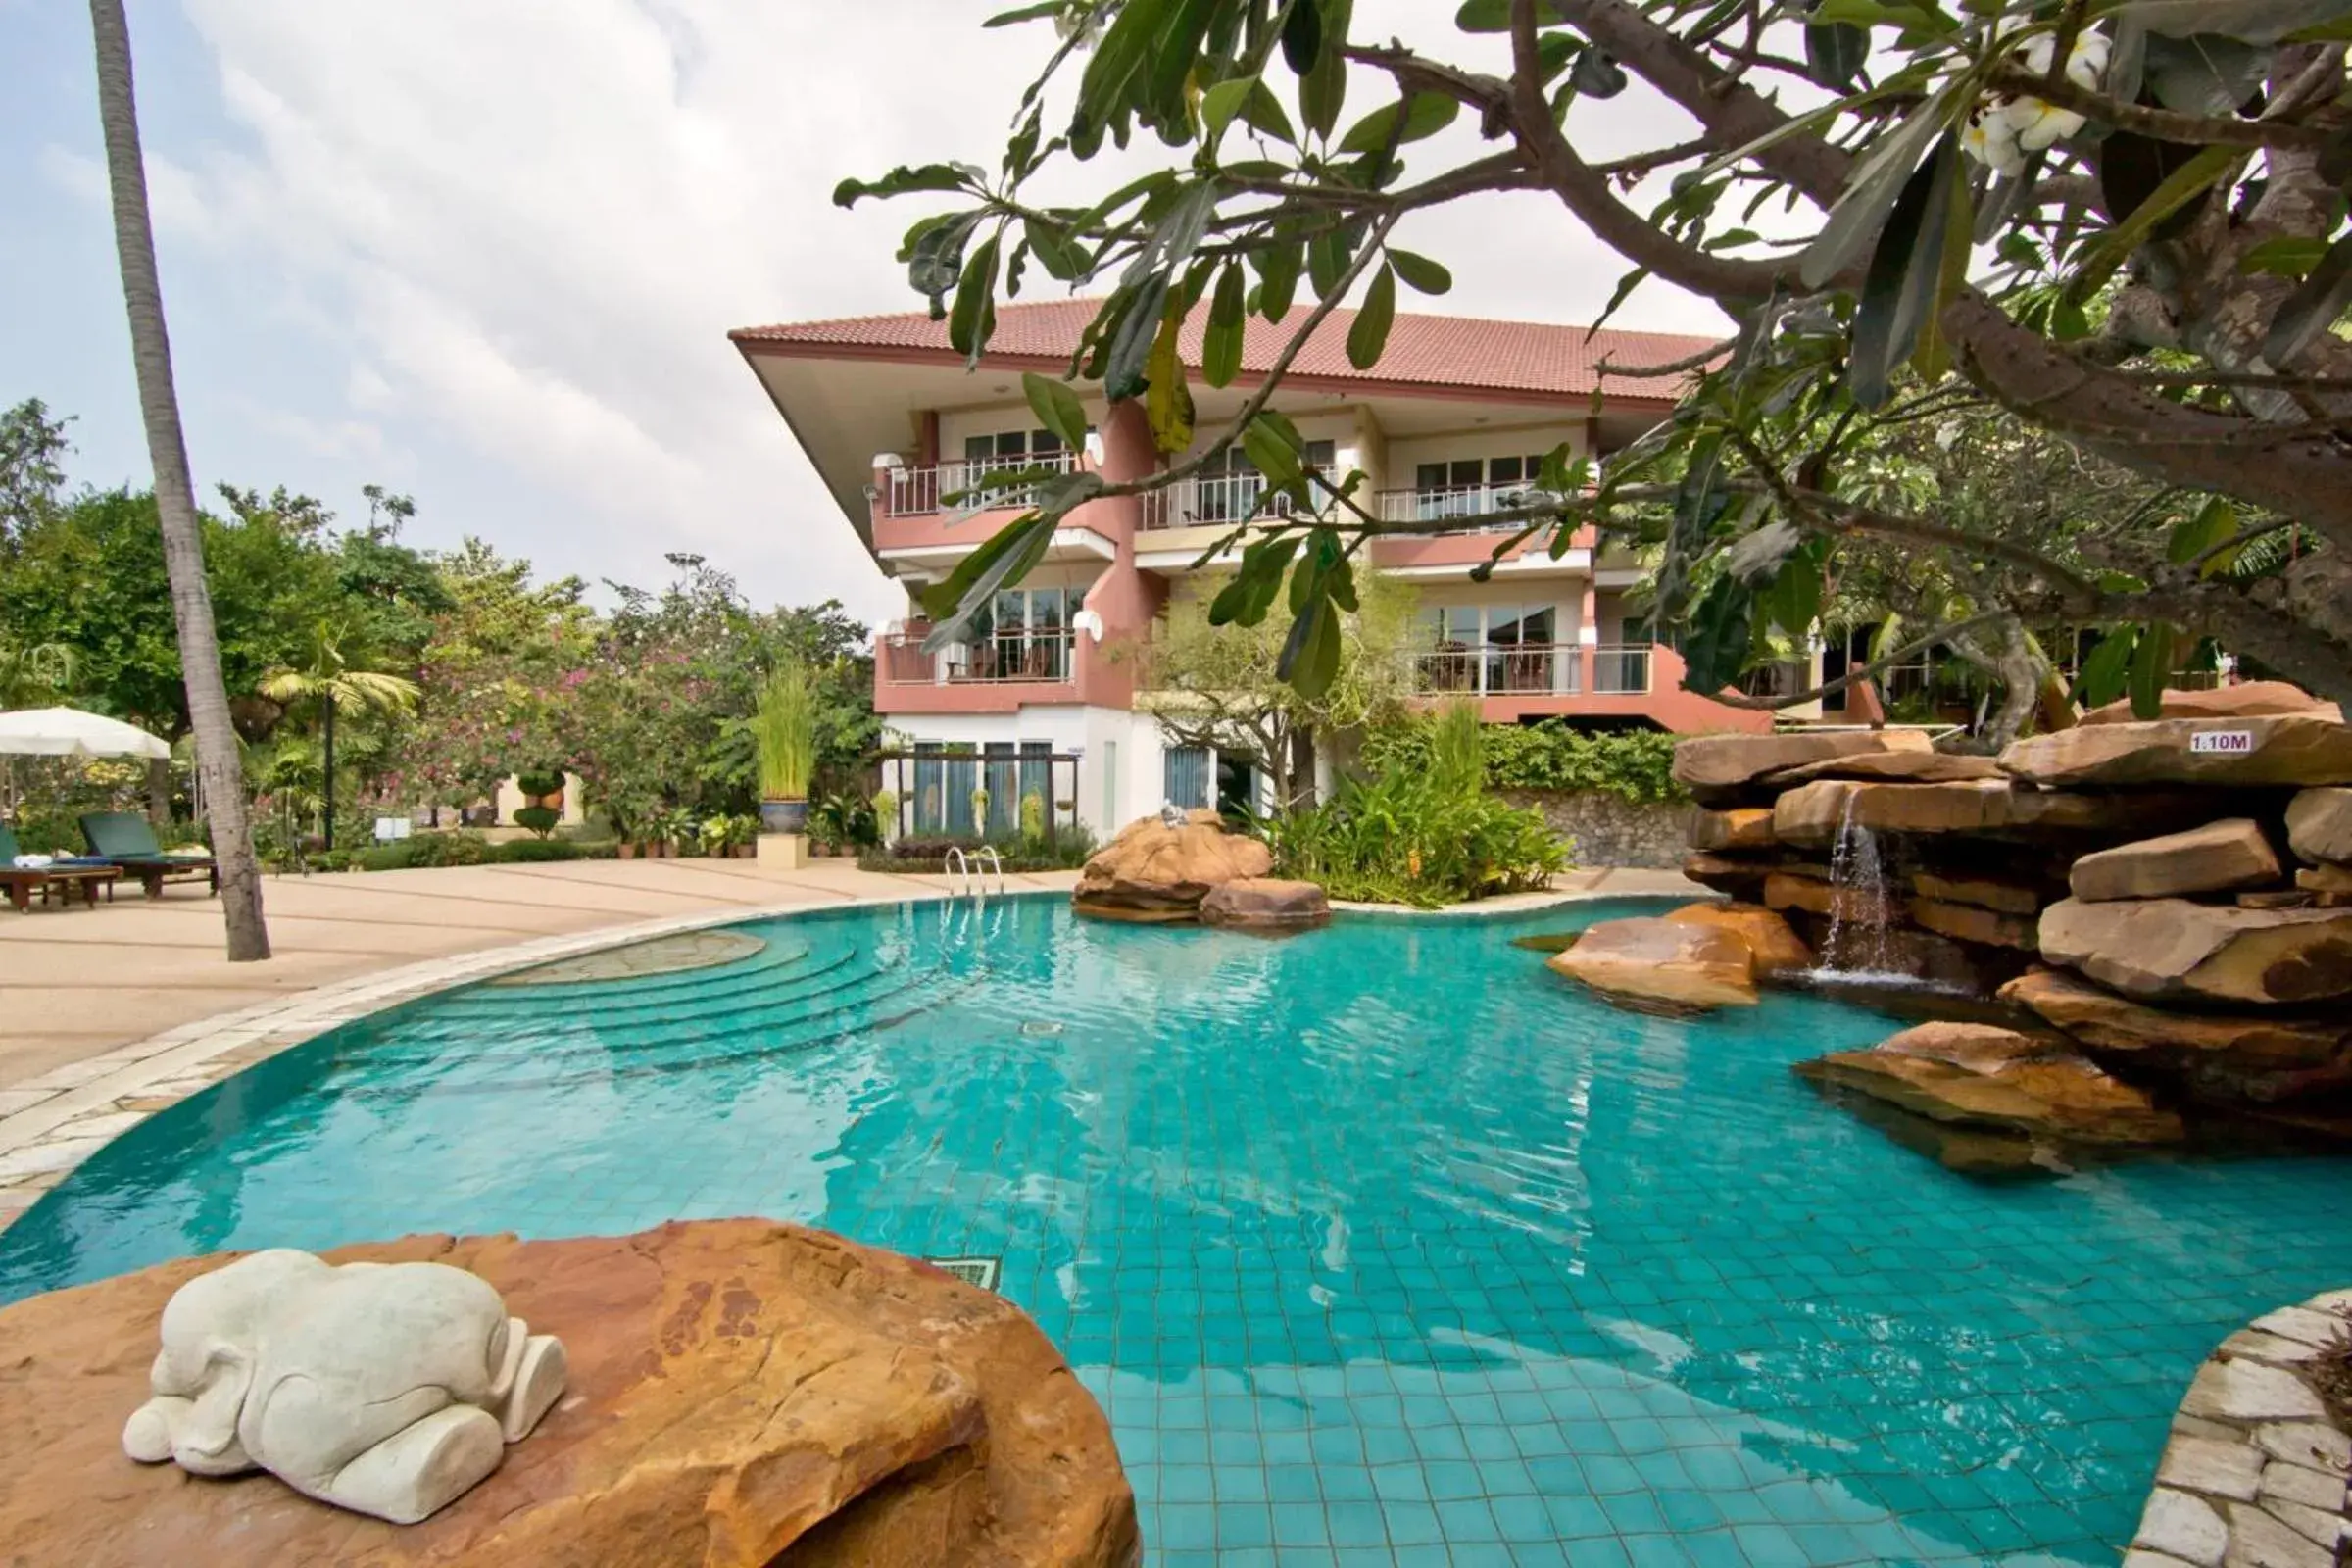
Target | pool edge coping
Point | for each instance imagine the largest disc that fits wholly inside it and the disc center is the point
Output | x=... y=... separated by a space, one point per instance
x=89 y=1104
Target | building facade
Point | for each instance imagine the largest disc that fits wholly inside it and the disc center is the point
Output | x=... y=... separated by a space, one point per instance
x=1447 y=428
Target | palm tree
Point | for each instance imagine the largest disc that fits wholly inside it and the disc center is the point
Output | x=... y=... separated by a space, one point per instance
x=329 y=681
x=218 y=768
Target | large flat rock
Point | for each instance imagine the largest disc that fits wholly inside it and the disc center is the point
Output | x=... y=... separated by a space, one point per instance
x=1717 y=768
x=1982 y=1075
x=1898 y=767
x=1812 y=815
x=742 y=1394
x=2171 y=949
x=1743 y=827
x=2216 y=858
x=1778 y=952
x=2237 y=1057
x=1265 y=903
x=2318 y=825
x=1156 y=874
x=2251 y=699
x=1660 y=966
x=2290 y=748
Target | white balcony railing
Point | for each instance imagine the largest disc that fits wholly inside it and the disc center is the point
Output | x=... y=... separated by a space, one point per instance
x=963 y=488
x=1470 y=503
x=1621 y=669
x=1507 y=669
x=1225 y=499
x=1041 y=656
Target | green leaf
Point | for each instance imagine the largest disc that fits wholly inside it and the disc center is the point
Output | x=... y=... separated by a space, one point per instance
x=1323 y=91
x=1222 y=101
x=1311 y=655
x=1922 y=18
x=1906 y=271
x=1056 y=407
x=1836 y=53
x=2177 y=190
x=1424 y=115
x=1302 y=37
x=2100 y=680
x=1495 y=16
x=2285 y=256
x=1005 y=19
x=1131 y=341
x=1245 y=599
x=1617 y=297
x=1327 y=258
x=1118 y=67
x=1419 y=272
x=973 y=320
x=1263 y=111
x=1871 y=193
x=1272 y=444
x=2312 y=308
x=1715 y=650
x=1221 y=341
x=1169 y=402
x=1278 y=268
x=2213 y=521
x=1369 y=334
x=2250 y=21
x=1596 y=75
x=902 y=180
x=2205 y=73
x=2151 y=662
x=1007 y=557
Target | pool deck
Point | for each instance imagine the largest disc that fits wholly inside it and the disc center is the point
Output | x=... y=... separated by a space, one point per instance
x=113 y=1014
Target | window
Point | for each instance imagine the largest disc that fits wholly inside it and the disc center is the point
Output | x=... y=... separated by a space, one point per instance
x=1495 y=648
x=1229 y=485
x=1187 y=778
x=1024 y=635
x=984 y=455
x=1465 y=487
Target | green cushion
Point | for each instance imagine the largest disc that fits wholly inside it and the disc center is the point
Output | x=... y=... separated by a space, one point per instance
x=120 y=835
x=8 y=847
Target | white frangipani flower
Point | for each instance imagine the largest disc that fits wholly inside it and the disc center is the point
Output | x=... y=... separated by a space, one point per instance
x=2004 y=127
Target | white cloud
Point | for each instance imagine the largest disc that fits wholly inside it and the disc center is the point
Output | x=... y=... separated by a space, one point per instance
x=528 y=226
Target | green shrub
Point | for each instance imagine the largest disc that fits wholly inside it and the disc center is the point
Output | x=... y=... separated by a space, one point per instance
x=525 y=852
x=1637 y=766
x=1411 y=836
x=443 y=849
x=428 y=850
x=540 y=819
x=539 y=783
x=1068 y=849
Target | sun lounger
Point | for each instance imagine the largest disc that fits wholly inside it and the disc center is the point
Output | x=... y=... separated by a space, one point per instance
x=122 y=839
x=60 y=877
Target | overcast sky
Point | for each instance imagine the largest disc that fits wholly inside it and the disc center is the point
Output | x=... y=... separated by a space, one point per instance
x=487 y=252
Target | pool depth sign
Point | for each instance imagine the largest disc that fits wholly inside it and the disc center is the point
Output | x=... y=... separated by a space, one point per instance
x=2225 y=742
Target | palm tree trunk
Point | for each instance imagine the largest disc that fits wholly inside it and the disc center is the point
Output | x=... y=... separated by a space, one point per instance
x=217 y=761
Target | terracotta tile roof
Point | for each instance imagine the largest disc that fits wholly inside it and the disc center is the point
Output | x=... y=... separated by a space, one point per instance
x=1429 y=350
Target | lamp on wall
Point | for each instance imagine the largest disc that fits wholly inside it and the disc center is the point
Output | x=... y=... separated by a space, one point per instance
x=1088 y=622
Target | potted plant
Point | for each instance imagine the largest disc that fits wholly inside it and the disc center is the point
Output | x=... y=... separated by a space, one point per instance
x=784 y=729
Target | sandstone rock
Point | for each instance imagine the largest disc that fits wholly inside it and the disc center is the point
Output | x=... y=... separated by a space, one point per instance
x=1969 y=922
x=2285 y=748
x=2276 y=899
x=1727 y=873
x=2247 y=700
x=2231 y=1056
x=2318 y=825
x=1748 y=827
x=1814 y=814
x=1784 y=890
x=2156 y=949
x=1777 y=949
x=2212 y=859
x=1985 y=892
x=2324 y=879
x=1659 y=965
x=1986 y=1076
x=1909 y=767
x=1265 y=903
x=1156 y=874
x=1715 y=768
x=742 y=1394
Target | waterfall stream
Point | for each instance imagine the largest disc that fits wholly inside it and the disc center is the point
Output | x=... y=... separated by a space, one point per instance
x=1857 y=948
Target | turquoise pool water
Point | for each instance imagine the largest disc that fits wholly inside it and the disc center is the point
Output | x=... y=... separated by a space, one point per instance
x=1379 y=1244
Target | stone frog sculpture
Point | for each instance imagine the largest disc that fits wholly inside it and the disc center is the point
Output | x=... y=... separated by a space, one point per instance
x=388 y=1388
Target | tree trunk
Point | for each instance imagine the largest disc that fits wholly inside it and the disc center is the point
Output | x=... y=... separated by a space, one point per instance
x=1302 y=770
x=217 y=761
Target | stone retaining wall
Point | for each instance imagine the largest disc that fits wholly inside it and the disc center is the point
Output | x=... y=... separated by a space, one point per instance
x=1611 y=830
x=2254 y=1474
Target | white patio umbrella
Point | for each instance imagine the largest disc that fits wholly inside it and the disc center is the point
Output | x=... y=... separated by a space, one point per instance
x=71 y=732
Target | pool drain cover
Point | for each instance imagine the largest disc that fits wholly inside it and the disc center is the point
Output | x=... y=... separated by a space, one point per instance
x=981 y=1271
x=1041 y=1026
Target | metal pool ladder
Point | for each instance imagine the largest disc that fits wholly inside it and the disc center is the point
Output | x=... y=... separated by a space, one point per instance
x=969 y=873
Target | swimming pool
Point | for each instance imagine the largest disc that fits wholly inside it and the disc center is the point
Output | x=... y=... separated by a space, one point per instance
x=1379 y=1244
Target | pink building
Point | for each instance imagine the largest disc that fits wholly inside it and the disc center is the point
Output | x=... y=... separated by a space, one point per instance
x=1449 y=424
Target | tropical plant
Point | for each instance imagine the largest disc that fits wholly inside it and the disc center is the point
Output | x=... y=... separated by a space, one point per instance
x=784 y=729
x=2125 y=223
x=1407 y=835
x=846 y=820
x=35 y=675
x=217 y=763
x=1033 y=815
x=1634 y=764
x=327 y=681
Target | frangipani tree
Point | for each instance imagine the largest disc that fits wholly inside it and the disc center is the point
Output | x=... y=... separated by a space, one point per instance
x=2119 y=223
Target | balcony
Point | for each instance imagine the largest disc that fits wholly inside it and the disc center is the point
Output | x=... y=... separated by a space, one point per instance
x=1219 y=501
x=963 y=489
x=1512 y=669
x=1621 y=669
x=1043 y=657
x=1470 y=503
